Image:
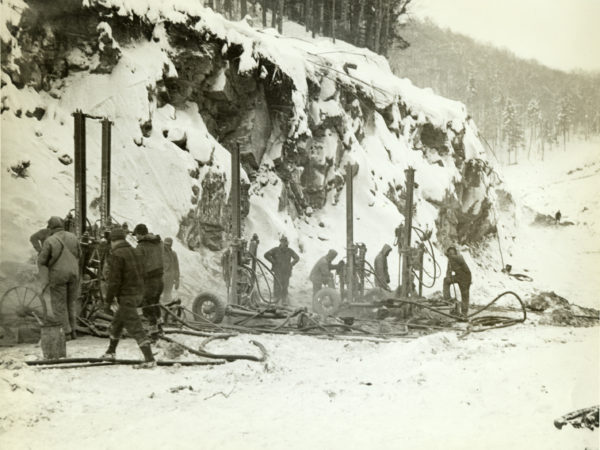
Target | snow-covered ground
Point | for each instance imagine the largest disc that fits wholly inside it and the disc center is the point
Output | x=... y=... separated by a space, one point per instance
x=499 y=390
x=565 y=259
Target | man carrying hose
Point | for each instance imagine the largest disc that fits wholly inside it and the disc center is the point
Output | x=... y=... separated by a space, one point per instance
x=282 y=259
x=458 y=272
x=126 y=284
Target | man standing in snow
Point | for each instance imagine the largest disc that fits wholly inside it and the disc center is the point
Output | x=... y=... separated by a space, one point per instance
x=171 y=270
x=282 y=259
x=150 y=251
x=557 y=217
x=458 y=272
x=60 y=253
x=37 y=239
x=320 y=275
x=126 y=283
x=382 y=275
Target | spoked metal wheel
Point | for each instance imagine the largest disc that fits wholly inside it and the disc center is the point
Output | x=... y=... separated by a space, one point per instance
x=20 y=305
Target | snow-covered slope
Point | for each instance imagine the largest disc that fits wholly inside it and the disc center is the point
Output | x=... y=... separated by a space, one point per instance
x=165 y=74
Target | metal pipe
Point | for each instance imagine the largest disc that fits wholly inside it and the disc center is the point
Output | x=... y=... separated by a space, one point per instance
x=105 y=174
x=79 y=175
x=349 y=234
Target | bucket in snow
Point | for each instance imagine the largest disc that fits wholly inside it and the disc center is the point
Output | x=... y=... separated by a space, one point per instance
x=53 y=342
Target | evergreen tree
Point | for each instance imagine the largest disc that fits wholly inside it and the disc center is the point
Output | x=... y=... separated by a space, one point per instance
x=563 y=119
x=533 y=114
x=512 y=130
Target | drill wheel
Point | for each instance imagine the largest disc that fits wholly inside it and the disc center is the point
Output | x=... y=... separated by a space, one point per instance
x=327 y=302
x=210 y=307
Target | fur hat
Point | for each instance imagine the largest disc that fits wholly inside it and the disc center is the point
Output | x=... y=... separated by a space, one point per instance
x=117 y=234
x=140 y=228
x=55 y=222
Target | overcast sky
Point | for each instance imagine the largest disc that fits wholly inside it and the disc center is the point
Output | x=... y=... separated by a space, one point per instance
x=564 y=34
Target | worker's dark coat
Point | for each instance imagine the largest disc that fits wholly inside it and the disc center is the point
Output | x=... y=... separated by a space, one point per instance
x=457 y=264
x=170 y=266
x=321 y=272
x=61 y=260
x=382 y=274
x=150 y=250
x=125 y=272
x=282 y=260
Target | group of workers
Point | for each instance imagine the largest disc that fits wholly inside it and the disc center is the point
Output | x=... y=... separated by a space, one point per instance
x=140 y=276
x=283 y=259
x=135 y=277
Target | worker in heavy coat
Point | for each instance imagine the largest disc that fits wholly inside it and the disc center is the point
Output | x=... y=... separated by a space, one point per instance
x=458 y=272
x=170 y=270
x=282 y=259
x=382 y=274
x=150 y=250
x=321 y=275
x=60 y=253
x=125 y=277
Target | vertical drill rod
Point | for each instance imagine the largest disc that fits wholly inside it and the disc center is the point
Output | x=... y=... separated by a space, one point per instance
x=79 y=168
x=105 y=174
x=406 y=269
x=349 y=234
x=235 y=222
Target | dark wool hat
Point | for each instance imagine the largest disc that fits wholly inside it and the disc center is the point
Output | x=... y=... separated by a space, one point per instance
x=117 y=234
x=140 y=228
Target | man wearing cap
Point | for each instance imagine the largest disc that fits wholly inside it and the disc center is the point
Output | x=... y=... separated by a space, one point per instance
x=60 y=253
x=125 y=284
x=282 y=259
x=382 y=274
x=171 y=270
x=320 y=275
x=150 y=251
x=458 y=272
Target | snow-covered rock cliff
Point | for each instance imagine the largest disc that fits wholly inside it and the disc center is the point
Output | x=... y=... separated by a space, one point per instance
x=182 y=86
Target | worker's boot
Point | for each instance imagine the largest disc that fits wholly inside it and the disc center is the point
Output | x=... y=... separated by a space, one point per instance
x=110 y=354
x=149 y=360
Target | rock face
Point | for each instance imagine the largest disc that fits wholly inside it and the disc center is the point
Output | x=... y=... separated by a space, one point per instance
x=256 y=108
